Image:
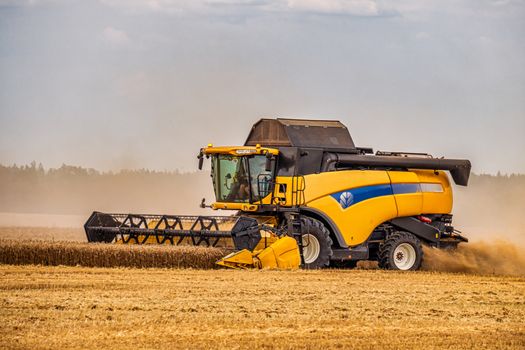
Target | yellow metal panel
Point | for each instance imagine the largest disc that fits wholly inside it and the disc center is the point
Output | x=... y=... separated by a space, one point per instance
x=234 y=206
x=435 y=202
x=266 y=240
x=239 y=150
x=242 y=259
x=281 y=197
x=286 y=253
x=357 y=221
x=292 y=186
x=408 y=204
x=267 y=258
x=283 y=254
x=319 y=185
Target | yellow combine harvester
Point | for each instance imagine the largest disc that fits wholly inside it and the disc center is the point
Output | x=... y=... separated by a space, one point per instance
x=307 y=196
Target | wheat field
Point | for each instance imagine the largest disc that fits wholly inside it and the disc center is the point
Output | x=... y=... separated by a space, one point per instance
x=188 y=304
x=86 y=308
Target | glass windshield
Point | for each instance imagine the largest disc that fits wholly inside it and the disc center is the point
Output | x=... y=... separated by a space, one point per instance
x=260 y=179
x=239 y=179
x=230 y=179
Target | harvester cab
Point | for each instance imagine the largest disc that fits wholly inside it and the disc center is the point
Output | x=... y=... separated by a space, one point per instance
x=305 y=195
x=242 y=176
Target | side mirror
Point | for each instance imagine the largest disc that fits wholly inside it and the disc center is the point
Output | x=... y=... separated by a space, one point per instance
x=268 y=165
x=203 y=204
x=201 y=160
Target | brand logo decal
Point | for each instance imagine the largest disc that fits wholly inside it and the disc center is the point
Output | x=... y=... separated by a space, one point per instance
x=345 y=199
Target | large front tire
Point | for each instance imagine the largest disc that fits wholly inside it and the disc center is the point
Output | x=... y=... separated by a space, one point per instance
x=401 y=251
x=317 y=244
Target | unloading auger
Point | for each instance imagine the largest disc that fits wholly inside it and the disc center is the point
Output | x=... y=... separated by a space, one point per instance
x=307 y=196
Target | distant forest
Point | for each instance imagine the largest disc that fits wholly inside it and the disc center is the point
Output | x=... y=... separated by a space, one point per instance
x=490 y=201
x=76 y=190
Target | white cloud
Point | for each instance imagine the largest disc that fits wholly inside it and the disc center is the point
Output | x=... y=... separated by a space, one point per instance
x=353 y=7
x=348 y=7
x=116 y=36
x=162 y=6
x=28 y=2
x=412 y=9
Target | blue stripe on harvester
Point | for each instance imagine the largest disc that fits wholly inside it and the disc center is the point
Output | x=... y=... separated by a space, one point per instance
x=355 y=195
x=405 y=188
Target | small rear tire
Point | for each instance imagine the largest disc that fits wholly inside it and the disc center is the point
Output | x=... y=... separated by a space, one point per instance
x=401 y=251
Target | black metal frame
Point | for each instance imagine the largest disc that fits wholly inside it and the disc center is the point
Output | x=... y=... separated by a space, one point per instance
x=136 y=228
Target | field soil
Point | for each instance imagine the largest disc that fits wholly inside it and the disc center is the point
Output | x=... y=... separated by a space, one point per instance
x=74 y=307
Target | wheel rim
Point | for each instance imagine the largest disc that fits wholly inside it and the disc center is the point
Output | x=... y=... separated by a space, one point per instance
x=311 y=248
x=404 y=256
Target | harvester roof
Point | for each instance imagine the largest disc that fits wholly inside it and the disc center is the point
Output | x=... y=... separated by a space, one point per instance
x=313 y=146
x=281 y=132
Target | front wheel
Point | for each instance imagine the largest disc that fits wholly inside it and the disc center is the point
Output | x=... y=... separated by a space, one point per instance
x=401 y=251
x=317 y=244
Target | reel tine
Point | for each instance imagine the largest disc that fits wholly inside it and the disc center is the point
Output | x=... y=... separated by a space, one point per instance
x=126 y=238
x=157 y=233
x=204 y=239
x=145 y=239
x=172 y=229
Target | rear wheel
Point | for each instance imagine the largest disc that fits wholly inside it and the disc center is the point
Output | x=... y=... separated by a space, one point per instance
x=317 y=244
x=401 y=251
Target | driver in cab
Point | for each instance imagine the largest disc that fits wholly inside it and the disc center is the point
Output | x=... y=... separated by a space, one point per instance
x=240 y=187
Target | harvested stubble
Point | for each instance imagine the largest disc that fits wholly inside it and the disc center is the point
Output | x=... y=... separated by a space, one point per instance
x=107 y=255
x=43 y=307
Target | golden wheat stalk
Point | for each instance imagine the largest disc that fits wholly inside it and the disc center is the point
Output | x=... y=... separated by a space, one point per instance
x=107 y=255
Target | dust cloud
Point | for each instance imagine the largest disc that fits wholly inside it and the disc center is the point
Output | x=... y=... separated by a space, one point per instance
x=489 y=211
x=498 y=258
x=491 y=208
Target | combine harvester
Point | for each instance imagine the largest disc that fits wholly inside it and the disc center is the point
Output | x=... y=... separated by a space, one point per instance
x=307 y=196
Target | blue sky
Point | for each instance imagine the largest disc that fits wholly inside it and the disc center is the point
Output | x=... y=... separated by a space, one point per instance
x=145 y=83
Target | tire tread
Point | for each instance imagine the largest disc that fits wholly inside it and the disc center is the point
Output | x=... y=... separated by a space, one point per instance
x=322 y=233
x=391 y=242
